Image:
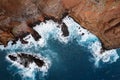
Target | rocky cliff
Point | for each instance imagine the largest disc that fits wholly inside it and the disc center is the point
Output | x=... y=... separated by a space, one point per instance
x=101 y=17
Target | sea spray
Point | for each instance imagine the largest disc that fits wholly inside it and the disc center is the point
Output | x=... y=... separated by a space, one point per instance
x=29 y=64
x=87 y=39
x=106 y=56
x=82 y=36
x=50 y=30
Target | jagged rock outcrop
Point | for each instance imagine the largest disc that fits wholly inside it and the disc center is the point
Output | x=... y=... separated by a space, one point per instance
x=26 y=59
x=101 y=17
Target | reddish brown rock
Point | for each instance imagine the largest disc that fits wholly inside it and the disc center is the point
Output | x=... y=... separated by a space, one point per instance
x=5 y=37
x=101 y=17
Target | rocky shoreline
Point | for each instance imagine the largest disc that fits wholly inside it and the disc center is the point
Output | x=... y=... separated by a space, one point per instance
x=101 y=17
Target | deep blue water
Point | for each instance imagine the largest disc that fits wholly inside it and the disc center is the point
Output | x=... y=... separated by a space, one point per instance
x=73 y=64
x=73 y=60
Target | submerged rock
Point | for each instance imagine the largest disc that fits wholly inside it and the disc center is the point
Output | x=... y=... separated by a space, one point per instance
x=26 y=59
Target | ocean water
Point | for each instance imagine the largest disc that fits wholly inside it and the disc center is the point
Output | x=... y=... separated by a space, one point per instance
x=76 y=57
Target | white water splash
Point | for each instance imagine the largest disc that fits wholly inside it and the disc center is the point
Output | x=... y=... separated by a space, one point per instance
x=92 y=42
x=105 y=56
x=50 y=30
x=47 y=30
x=30 y=71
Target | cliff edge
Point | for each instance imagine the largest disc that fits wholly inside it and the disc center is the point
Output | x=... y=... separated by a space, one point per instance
x=101 y=17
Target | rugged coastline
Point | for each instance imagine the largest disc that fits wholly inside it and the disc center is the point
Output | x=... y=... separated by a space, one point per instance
x=101 y=17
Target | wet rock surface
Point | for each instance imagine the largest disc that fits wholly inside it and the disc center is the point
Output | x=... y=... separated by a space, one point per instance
x=26 y=59
x=101 y=17
x=64 y=29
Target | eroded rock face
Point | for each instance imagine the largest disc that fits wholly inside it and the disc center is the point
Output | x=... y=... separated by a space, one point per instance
x=101 y=17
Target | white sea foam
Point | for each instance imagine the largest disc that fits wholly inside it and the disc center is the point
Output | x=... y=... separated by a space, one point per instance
x=91 y=41
x=50 y=30
x=47 y=30
x=105 y=56
x=30 y=71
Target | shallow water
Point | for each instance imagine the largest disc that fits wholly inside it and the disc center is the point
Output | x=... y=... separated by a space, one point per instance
x=75 y=57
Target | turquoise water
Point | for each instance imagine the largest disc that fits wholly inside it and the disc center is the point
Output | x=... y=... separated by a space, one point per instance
x=73 y=58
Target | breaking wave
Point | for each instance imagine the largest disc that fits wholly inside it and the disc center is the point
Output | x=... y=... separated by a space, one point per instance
x=50 y=30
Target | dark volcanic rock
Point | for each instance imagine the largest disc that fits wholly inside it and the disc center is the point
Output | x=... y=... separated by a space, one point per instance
x=13 y=58
x=101 y=17
x=26 y=59
x=64 y=30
